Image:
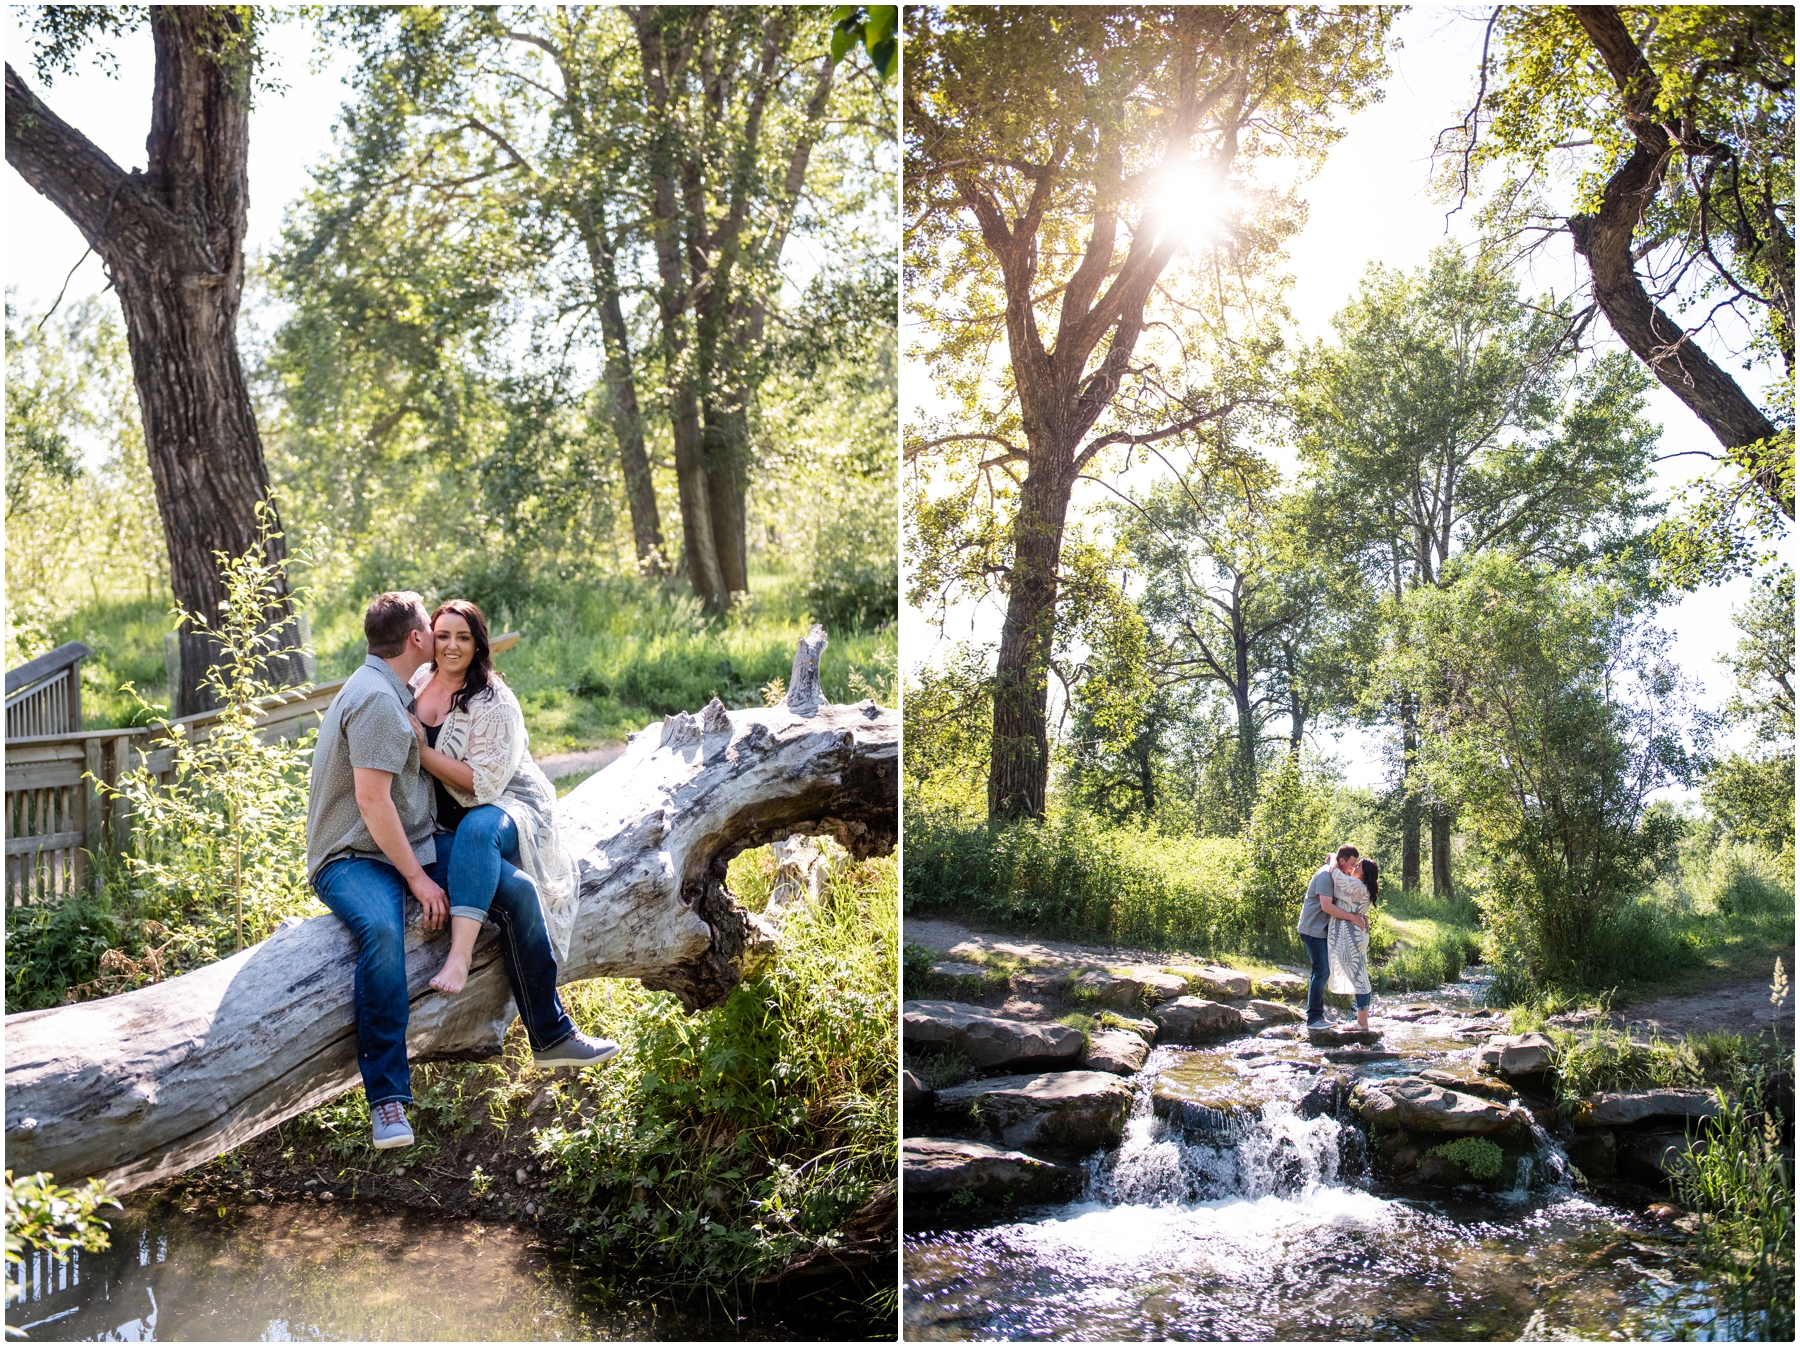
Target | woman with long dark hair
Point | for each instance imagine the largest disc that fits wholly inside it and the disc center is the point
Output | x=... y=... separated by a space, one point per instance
x=501 y=806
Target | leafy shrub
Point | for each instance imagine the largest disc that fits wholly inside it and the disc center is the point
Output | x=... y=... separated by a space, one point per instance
x=1427 y=965
x=1073 y=876
x=1284 y=843
x=855 y=585
x=1478 y=1157
x=52 y=944
x=40 y=1214
x=722 y=1143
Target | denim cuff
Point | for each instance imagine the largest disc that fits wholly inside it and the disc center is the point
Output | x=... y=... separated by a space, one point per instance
x=472 y=913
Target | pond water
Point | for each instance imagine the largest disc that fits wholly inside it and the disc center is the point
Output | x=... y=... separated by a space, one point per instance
x=1269 y=1226
x=331 y=1272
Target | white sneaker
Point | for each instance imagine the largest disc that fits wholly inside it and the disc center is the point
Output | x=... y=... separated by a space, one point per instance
x=391 y=1130
x=577 y=1050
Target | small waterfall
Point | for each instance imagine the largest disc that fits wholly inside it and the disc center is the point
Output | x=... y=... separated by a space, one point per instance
x=1278 y=1154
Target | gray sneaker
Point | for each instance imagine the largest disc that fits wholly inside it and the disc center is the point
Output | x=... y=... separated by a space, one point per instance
x=391 y=1130
x=577 y=1050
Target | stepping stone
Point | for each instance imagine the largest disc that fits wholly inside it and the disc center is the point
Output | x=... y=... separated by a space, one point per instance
x=957 y=971
x=1290 y=1032
x=1360 y=1056
x=1211 y=980
x=1204 y=1092
x=1274 y=1012
x=1484 y=1086
x=1075 y=1109
x=1143 y=1028
x=1127 y=989
x=1115 y=1051
x=935 y=1169
x=1622 y=1108
x=1517 y=1054
x=1341 y=1038
x=1188 y=1019
x=1418 y=1105
x=987 y=1039
x=1281 y=986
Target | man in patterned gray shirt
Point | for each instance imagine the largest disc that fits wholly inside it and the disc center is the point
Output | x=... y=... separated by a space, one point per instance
x=372 y=840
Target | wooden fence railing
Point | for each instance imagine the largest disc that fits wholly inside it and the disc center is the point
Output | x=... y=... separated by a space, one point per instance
x=57 y=816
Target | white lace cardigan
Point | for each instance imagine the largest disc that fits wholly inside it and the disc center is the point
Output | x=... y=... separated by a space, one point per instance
x=490 y=735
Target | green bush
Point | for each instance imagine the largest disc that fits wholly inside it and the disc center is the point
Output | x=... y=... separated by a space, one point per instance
x=1285 y=844
x=722 y=1143
x=41 y=1215
x=1478 y=1157
x=1425 y=966
x=52 y=945
x=1071 y=875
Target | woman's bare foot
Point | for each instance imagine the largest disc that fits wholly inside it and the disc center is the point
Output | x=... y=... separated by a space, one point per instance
x=1362 y=1017
x=455 y=972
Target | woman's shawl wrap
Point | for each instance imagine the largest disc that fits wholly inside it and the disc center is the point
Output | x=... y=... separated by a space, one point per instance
x=489 y=734
x=1348 y=943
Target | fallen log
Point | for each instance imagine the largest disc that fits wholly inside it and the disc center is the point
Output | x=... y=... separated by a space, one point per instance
x=142 y=1086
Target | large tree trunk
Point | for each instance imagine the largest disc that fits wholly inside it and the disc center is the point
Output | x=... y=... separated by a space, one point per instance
x=172 y=240
x=1604 y=240
x=664 y=62
x=1019 y=768
x=138 y=1087
x=1410 y=807
x=621 y=389
x=1441 y=820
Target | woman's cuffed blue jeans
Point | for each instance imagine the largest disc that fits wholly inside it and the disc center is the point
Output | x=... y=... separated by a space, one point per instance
x=370 y=897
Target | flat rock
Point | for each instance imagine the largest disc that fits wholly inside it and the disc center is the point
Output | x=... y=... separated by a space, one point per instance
x=1622 y=1108
x=1419 y=1105
x=1483 y=1086
x=1116 y=1051
x=1160 y=986
x=935 y=1168
x=1359 y=1056
x=1274 y=1012
x=1143 y=1028
x=915 y=1099
x=1188 y=1019
x=1281 y=986
x=1293 y=1033
x=1335 y=1037
x=1517 y=1054
x=1203 y=1091
x=1119 y=991
x=1212 y=980
x=987 y=1039
x=1074 y=1109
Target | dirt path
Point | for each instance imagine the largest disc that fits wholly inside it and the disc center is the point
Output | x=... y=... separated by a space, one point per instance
x=1736 y=1007
x=584 y=760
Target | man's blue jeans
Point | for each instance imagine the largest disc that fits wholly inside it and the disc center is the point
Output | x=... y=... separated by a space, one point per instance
x=1318 y=951
x=370 y=898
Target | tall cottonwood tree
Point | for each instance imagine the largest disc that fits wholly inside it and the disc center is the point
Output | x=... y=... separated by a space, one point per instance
x=1448 y=419
x=171 y=236
x=1057 y=162
x=1676 y=124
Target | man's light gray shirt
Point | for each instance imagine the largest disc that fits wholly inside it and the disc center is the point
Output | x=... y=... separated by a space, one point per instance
x=1312 y=920
x=366 y=726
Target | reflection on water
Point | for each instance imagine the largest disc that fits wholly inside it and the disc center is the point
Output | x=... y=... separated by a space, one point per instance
x=325 y=1273
x=1269 y=1227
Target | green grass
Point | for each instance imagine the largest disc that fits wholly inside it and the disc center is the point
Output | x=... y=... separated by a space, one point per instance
x=603 y=656
x=1599 y=1059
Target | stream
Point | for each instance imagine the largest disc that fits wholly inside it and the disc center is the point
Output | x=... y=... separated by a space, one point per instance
x=1247 y=1221
x=336 y=1272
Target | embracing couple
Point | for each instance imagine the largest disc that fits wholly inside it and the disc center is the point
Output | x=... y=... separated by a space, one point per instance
x=422 y=786
x=1334 y=927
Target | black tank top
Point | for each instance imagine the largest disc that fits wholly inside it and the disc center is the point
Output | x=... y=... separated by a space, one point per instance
x=449 y=811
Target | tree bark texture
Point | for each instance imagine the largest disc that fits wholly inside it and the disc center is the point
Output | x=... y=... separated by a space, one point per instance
x=1410 y=807
x=139 y=1087
x=171 y=237
x=1604 y=241
x=1442 y=820
x=621 y=390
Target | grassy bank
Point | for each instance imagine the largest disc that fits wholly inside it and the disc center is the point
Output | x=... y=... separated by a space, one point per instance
x=1718 y=910
x=603 y=656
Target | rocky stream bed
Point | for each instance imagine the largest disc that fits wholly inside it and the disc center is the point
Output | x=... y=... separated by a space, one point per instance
x=1206 y=1166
